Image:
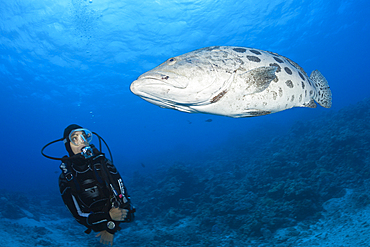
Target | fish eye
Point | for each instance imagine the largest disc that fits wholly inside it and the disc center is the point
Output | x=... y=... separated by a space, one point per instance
x=171 y=61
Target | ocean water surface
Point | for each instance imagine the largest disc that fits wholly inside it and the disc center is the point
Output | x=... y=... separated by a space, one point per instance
x=72 y=61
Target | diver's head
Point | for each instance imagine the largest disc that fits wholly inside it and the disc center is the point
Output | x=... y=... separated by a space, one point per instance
x=77 y=143
x=76 y=138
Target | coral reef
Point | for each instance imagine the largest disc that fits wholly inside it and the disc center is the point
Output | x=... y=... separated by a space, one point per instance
x=286 y=181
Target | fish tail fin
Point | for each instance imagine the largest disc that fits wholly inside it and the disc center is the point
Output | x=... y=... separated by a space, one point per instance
x=323 y=93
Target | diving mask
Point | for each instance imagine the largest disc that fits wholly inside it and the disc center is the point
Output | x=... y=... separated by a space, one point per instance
x=80 y=136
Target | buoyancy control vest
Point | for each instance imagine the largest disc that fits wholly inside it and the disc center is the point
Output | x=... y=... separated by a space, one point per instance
x=87 y=184
x=93 y=186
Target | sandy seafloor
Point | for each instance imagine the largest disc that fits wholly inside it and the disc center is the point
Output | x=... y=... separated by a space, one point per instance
x=342 y=224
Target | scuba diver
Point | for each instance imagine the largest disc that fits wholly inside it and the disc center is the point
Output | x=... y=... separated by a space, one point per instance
x=91 y=186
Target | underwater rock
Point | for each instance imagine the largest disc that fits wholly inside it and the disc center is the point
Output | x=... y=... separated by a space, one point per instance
x=43 y=242
x=266 y=233
x=172 y=216
x=41 y=230
x=11 y=211
x=362 y=199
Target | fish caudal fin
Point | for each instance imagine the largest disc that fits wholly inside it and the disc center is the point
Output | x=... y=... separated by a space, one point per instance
x=323 y=93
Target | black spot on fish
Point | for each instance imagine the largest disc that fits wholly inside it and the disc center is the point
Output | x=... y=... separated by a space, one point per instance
x=241 y=50
x=276 y=65
x=305 y=93
x=274 y=95
x=288 y=70
x=300 y=98
x=264 y=103
x=292 y=99
x=239 y=61
x=278 y=60
x=289 y=83
x=300 y=74
x=254 y=59
x=303 y=85
x=311 y=92
x=273 y=53
x=280 y=92
x=295 y=65
x=256 y=52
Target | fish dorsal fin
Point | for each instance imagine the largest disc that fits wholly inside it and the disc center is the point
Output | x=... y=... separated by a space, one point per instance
x=256 y=80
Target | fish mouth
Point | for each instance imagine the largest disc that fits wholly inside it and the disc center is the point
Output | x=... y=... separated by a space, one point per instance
x=163 y=78
x=156 y=85
x=147 y=92
x=150 y=88
x=139 y=88
x=157 y=92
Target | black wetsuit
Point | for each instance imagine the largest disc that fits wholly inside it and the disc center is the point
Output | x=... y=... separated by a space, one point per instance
x=88 y=195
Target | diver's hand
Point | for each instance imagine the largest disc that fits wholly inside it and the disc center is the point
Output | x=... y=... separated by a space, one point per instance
x=105 y=238
x=118 y=214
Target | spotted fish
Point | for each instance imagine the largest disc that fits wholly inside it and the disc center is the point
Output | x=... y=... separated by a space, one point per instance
x=232 y=81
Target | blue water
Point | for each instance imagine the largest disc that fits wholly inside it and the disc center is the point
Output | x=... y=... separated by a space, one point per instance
x=72 y=61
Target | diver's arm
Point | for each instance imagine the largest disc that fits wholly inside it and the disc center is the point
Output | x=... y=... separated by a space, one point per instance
x=116 y=177
x=96 y=221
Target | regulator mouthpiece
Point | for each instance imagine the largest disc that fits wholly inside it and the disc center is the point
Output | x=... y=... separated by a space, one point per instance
x=87 y=152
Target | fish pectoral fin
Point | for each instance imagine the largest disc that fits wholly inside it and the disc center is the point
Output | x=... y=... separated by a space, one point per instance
x=256 y=80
